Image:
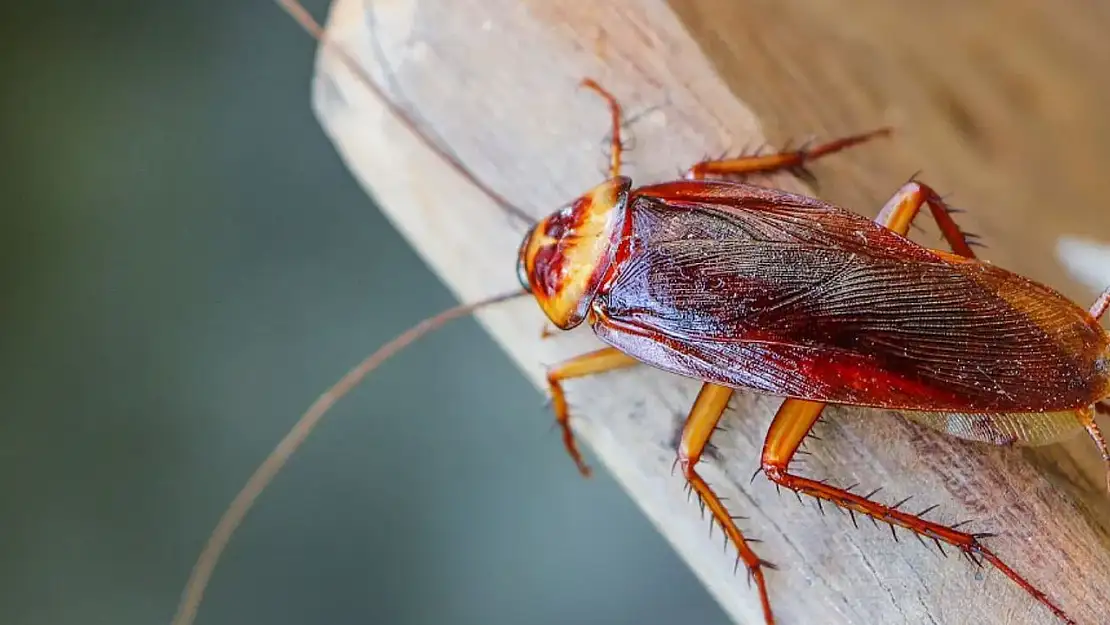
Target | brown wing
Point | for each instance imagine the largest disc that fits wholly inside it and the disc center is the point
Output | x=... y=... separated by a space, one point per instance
x=788 y=295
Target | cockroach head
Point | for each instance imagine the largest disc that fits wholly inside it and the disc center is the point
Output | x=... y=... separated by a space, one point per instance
x=564 y=257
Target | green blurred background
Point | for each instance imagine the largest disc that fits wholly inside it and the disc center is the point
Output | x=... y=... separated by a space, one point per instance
x=186 y=265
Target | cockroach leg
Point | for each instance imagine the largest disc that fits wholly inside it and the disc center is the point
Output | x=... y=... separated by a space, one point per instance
x=1087 y=418
x=1098 y=309
x=788 y=159
x=700 y=425
x=616 y=147
x=899 y=212
x=600 y=361
x=790 y=426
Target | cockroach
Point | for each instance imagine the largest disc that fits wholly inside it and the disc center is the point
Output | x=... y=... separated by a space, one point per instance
x=746 y=287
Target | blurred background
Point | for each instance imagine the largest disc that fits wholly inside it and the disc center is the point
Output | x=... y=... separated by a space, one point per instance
x=186 y=265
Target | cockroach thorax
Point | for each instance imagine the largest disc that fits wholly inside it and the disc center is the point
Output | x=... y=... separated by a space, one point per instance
x=564 y=257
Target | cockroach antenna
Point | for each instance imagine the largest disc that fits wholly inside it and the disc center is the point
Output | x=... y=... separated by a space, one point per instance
x=305 y=19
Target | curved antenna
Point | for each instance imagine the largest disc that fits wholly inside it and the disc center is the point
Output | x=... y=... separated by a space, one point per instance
x=306 y=21
x=264 y=474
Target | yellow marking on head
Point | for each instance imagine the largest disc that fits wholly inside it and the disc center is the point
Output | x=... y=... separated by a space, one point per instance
x=563 y=258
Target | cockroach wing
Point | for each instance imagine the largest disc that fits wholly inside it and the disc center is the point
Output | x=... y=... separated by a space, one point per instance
x=754 y=288
x=1007 y=428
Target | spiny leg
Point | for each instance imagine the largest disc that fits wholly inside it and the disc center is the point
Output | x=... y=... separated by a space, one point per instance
x=699 y=427
x=902 y=207
x=1098 y=309
x=791 y=425
x=615 y=113
x=787 y=159
x=600 y=361
x=1087 y=418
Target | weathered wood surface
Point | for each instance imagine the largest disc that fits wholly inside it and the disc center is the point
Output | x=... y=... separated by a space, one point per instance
x=1016 y=129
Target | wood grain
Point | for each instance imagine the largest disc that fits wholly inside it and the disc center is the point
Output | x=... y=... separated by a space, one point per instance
x=497 y=79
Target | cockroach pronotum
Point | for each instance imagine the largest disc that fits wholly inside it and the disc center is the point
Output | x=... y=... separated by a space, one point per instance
x=745 y=287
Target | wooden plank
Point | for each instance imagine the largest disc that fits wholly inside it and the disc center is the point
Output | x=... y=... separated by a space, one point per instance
x=497 y=79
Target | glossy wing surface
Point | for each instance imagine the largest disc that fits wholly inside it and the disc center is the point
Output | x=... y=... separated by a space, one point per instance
x=795 y=297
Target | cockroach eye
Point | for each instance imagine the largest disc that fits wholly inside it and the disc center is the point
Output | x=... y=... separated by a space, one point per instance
x=521 y=261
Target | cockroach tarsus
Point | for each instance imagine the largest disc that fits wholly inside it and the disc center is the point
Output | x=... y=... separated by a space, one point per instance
x=751 y=288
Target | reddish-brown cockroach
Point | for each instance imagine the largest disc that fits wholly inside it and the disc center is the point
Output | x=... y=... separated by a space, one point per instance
x=746 y=287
